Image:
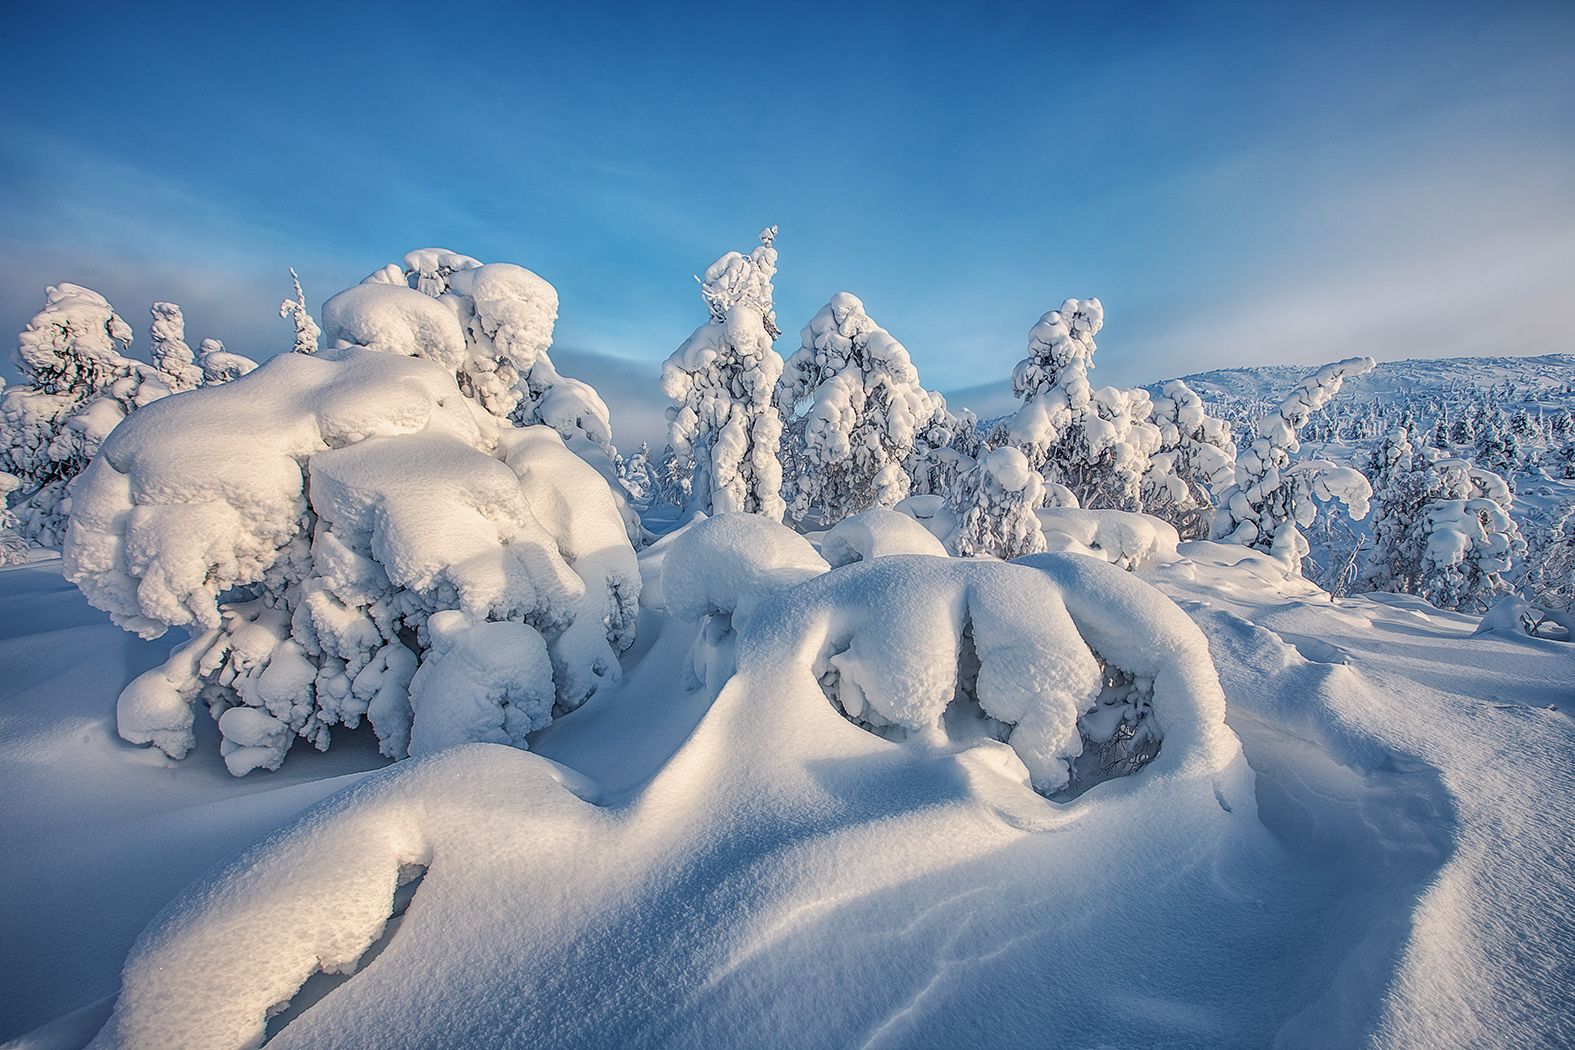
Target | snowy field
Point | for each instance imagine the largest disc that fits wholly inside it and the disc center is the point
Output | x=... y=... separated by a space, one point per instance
x=741 y=865
x=376 y=698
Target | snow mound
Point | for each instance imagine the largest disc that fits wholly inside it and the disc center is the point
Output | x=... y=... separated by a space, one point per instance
x=1081 y=669
x=877 y=533
x=1124 y=538
x=729 y=564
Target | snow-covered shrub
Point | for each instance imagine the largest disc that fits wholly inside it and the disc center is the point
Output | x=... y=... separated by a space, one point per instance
x=346 y=535
x=1272 y=494
x=993 y=507
x=864 y=414
x=1096 y=443
x=79 y=386
x=723 y=427
x=306 y=330
x=879 y=532
x=1125 y=539
x=1083 y=671
x=172 y=356
x=220 y=365
x=1195 y=462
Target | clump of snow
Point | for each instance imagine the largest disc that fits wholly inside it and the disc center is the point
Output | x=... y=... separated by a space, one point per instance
x=879 y=532
x=491 y=323
x=723 y=427
x=1126 y=539
x=310 y=519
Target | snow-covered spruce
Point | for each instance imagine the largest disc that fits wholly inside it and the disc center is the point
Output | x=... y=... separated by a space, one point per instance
x=992 y=507
x=346 y=535
x=1195 y=462
x=1549 y=577
x=723 y=427
x=1272 y=495
x=865 y=417
x=492 y=324
x=171 y=354
x=1096 y=443
x=307 y=331
x=78 y=387
x=1465 y=539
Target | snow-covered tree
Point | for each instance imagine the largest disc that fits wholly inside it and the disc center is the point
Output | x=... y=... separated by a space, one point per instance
x=79 y=386
x=639 y=475
x=13 y=545
x=1549 y=578
x=1442 y=528
x=171 y=355
x=1273 y=494
x=1463 y=430
x=1494 y=449
x=347 y=535
x=220 y=365
x=306 y=329
x=994 y=505
x=863 y=412
x=1195 y=462
x=723 y=426
x=1467 y=538
x=1096 y=443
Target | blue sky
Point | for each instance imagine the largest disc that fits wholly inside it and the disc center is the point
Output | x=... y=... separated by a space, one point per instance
x=1239 y=183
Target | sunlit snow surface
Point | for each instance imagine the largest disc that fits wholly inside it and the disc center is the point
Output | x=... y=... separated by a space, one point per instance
x=742 y=865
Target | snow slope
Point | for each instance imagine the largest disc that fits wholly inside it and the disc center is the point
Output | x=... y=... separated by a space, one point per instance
x=738 y=864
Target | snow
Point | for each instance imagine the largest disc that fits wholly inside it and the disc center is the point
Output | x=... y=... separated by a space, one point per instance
x=723 y=856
